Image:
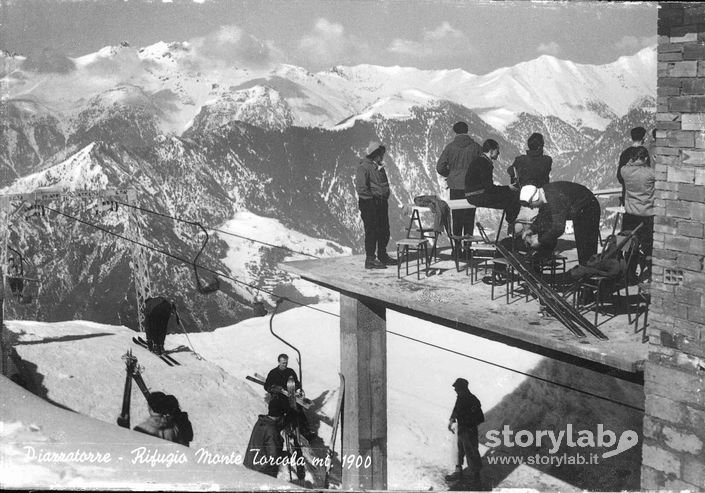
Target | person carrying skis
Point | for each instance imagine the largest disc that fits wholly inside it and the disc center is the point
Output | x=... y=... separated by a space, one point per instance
x=278 y=377
x=166 y=420
x=277 y=380
x=468 y=414
x=266 y=446
x=157 y=312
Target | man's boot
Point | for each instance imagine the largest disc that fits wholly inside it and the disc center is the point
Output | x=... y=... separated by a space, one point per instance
x=458 y=474
x=386 y=259
x=373 y=263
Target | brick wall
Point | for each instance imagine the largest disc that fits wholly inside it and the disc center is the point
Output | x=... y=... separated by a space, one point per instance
x=674 y=383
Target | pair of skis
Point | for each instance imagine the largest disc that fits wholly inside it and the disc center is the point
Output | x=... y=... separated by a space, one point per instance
x=132 y=372
x=165 y=357
x=566 y=313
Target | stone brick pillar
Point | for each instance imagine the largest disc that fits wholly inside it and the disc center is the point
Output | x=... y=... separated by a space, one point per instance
x=674 y=383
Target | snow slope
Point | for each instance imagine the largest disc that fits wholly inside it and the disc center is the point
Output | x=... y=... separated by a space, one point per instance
x=77 y=365
x=33 y=432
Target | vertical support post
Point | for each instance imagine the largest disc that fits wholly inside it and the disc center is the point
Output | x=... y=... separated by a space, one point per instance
x=4 y=236
x=140 y=269
x=363 y=360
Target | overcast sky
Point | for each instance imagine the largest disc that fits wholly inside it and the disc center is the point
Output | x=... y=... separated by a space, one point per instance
x=478 y=36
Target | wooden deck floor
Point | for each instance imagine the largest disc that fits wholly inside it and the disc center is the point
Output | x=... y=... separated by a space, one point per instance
x=448 y=298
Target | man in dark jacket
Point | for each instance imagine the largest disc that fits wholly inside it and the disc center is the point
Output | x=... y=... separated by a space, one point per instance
x=278 y=377
x=453 y=165
x=638 y=135
x=265 y=449
x=532 y=168
x=157 y=312
x=480 y=189
x=468 y=414
x=558 y=202
x=277 y=380
x=372 y=186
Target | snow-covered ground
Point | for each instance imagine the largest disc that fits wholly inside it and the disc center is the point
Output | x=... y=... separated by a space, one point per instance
x=78 y=365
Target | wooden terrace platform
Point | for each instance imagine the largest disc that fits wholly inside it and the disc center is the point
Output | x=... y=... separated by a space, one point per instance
x=448 y=298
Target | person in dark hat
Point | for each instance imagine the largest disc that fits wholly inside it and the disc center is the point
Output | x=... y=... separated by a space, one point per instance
x=453 y=165
x=468 y=414
x=372 y=186
x=266 y=446
x=166 y=420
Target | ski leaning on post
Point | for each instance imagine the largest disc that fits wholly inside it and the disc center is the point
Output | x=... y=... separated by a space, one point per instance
x=166 y=358
x=336 y=423
x=568 y=315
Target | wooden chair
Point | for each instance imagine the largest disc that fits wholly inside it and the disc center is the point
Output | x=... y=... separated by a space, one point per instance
x=595 y=288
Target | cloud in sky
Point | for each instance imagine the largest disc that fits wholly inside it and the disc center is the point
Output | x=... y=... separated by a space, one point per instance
x=551 y=48
x=631 y=44
x=328 y=44
x=438 y=42
x=231 y=44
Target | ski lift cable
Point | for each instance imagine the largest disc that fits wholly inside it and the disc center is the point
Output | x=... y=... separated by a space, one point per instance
x=186 y=261
x=253 y=240
x=565 y=386
x=271 y=329
x=283 y=298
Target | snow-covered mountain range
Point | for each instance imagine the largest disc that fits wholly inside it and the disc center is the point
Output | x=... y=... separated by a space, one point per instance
x=210 y=143
x=172 y=81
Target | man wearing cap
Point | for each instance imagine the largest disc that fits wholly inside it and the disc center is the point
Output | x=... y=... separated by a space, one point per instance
x=453 y=165
x=373 y=192
x=468 y=414
x=556 y=203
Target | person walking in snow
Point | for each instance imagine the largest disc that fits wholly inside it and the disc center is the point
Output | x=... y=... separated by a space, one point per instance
x=467 y=413
x=166 y=420
x=453 y=165
x=265 y=449
x=532 y=168
x=372 y=186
